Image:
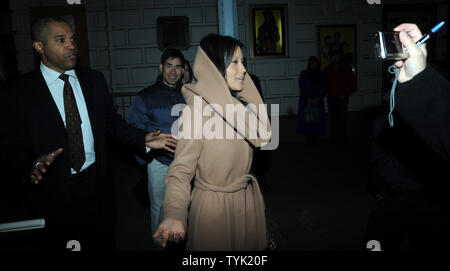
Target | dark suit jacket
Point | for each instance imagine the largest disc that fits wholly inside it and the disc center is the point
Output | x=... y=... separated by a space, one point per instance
x=32 y=126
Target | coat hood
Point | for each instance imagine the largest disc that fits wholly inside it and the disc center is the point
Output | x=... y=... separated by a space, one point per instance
x=213 y=89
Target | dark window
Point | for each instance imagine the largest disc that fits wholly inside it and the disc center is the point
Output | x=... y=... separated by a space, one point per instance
x=173 y=32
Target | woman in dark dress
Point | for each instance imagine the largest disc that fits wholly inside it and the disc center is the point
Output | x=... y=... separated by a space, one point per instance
x=312 y=85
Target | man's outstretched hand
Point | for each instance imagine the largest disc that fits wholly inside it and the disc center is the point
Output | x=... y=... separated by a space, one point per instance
x=39 y=166
x=158 y=140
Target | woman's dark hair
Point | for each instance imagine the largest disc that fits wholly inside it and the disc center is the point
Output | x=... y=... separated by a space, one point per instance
x=220 y=49
x=191 y=72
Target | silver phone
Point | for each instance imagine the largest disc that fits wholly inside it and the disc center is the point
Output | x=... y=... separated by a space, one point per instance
x=388 y=46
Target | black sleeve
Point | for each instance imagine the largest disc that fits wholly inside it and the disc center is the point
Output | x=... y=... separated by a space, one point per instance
x=118 y=128
x=424 y=103
x=16 y=158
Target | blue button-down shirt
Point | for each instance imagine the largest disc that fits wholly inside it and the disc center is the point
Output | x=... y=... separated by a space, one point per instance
x=151 y=111
x=56 y=87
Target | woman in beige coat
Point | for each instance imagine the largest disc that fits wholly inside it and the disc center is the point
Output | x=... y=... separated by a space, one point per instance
x=225 y=209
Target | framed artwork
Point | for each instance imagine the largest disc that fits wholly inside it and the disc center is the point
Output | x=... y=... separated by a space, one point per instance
x=337 y=40
x=76 y=16
x=269 y=35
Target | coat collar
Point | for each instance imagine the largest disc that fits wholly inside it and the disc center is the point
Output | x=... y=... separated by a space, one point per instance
x=213 y=89
x=50 y=75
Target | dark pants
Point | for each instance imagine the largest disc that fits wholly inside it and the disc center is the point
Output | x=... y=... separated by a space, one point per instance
x=337 y=109
x=82 y=216
x=406 y=224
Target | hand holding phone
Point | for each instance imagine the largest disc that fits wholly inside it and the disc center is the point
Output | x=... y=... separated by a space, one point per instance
x=407 y=46
x=417 y=60
x=389 y=46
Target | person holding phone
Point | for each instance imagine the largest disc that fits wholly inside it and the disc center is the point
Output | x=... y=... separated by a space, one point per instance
x=409 y=161
x=423 y=96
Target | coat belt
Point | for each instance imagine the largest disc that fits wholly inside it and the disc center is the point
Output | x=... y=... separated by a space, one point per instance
x=239 y=238
x=237 y=185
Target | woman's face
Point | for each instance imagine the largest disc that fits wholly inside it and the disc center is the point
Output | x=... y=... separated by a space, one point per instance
x=236 y=71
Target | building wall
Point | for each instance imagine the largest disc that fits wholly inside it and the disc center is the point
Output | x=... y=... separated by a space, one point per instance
x=123 y=39
x=123 y=43
x=279 y=78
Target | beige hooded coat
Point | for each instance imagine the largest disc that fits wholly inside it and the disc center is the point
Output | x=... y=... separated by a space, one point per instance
x=225 y=209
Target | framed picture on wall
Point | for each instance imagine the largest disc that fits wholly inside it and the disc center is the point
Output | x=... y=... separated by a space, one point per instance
x=76 y=16
x=269 y=35
x=337 y=40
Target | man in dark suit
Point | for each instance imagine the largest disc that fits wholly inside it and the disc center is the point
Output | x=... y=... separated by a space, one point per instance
x=55 y=125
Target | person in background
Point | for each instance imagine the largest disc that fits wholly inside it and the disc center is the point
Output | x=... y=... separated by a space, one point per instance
x=188 y=75
x=341 y=84
x=311 y=108
x=151 y=111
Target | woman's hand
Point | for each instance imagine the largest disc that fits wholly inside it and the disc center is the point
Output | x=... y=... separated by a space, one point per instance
x=170 y=230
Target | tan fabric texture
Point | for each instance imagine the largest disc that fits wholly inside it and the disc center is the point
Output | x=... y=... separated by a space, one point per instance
x=225 y=209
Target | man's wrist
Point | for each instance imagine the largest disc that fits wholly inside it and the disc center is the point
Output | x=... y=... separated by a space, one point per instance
x=416 y=77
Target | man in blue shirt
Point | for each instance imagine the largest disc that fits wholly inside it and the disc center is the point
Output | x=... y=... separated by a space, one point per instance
x=151 y=111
